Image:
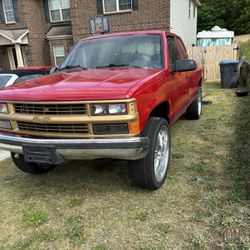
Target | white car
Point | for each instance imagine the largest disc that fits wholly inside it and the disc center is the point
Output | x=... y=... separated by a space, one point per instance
x=10 y=77
x=7 y=79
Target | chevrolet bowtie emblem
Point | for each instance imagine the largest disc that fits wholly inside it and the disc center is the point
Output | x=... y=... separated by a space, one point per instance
x=41 y=119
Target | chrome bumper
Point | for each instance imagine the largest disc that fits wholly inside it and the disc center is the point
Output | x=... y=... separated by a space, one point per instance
x=118 y=148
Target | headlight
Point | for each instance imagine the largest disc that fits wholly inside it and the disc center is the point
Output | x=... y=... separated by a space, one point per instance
x=109 y=109
x=3 y=108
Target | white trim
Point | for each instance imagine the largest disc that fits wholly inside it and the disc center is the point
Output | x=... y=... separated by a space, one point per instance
x=60 y=10
x=4 y=11
x=18 y=40
x=197 y=2
x=19 y=56
x=6 y=37
x=24 y=56
x=11 y=58
x=10 y=22
x=59 y=37
x=117 y=8
x=54 y=54
x=24 y=34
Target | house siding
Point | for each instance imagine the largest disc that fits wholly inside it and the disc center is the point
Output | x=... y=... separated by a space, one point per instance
x=181 y=23
x=150 y=15
x=32 y=17
x=67 y=43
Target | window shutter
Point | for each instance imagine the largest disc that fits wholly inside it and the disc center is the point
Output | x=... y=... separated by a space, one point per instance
x=135 y=4
x=15 y=6
x=99 y=7
x=46 y=10
x=2 y=19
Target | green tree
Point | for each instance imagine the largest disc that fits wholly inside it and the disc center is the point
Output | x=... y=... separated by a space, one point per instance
x=230 y=14
x=210 y=14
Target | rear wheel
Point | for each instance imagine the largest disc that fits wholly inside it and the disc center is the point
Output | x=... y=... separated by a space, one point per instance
x=151 y=171
x=31 y=168
x=195 y=109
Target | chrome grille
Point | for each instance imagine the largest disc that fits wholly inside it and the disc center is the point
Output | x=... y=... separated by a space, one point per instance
x=50 y=109
x=53 y=128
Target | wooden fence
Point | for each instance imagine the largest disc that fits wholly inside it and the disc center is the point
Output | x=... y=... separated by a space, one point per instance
x=210 y=57
x=242 y=38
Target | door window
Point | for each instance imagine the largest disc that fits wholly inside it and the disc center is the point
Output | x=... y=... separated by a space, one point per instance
x=173 y=51
x=182 y=48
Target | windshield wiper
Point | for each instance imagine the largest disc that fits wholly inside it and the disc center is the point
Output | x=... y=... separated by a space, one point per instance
x=135 y=66
x=112 y=65
x=73 y=67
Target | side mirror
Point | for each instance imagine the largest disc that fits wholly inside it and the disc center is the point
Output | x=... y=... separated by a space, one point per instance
x=185 y=65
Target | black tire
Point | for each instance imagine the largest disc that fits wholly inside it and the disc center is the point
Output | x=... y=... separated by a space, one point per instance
x=31 y=168
x=194 y=111
x=142 y=172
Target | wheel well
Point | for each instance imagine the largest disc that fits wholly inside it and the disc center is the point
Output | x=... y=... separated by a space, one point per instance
x=200 y=82
x=162 y=110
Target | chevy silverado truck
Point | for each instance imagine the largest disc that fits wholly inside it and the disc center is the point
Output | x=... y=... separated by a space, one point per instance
x=114 y=96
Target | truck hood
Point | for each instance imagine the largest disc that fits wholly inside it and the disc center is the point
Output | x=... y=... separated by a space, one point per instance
x=96 y=84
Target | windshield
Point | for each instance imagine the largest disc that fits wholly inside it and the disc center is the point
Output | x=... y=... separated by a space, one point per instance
x=135 y=51
x=4 y=79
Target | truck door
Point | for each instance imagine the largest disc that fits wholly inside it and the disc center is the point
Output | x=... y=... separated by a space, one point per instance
x=180 y=78
x=189 y=74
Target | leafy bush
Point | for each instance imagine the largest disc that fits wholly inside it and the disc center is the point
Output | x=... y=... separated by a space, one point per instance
x=245 y=49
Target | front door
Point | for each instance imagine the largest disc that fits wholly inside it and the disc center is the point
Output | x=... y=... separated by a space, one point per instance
x=13 y=57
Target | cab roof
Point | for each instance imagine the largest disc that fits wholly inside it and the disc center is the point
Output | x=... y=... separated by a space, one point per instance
x=139 y=32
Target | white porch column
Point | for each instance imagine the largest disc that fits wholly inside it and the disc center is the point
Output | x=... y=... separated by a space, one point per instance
x=19 y=55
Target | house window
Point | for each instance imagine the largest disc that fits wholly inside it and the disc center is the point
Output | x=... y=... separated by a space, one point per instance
x=110 y=6
x=59 y=10
x=194 y=10
x=59 y=55
x=189 y=9
x=9 y=13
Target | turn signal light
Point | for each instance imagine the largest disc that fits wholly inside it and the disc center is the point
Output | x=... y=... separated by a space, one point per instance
x=134 y=127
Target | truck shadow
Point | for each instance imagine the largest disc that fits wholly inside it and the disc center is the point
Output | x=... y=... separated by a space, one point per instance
x=73 y=177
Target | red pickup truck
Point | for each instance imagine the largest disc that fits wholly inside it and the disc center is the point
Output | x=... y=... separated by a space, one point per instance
x=114 y=96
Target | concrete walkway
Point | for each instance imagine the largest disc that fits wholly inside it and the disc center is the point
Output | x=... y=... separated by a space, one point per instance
x=4 y=155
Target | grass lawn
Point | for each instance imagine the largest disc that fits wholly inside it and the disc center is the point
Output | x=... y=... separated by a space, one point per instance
x=203 y=204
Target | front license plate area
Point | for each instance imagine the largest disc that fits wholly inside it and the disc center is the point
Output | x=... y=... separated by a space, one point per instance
x=38 y=154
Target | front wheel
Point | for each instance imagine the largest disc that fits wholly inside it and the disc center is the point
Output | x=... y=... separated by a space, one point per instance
x=31 y=168
x=151 y=171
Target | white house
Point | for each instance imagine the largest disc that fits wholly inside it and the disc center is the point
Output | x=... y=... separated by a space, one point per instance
x=183 y=19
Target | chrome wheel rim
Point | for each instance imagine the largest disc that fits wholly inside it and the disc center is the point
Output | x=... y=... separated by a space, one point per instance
x=199 y=104
x=161 y=156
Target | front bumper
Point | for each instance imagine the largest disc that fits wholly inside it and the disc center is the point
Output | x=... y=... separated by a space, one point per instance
x=118 y=148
